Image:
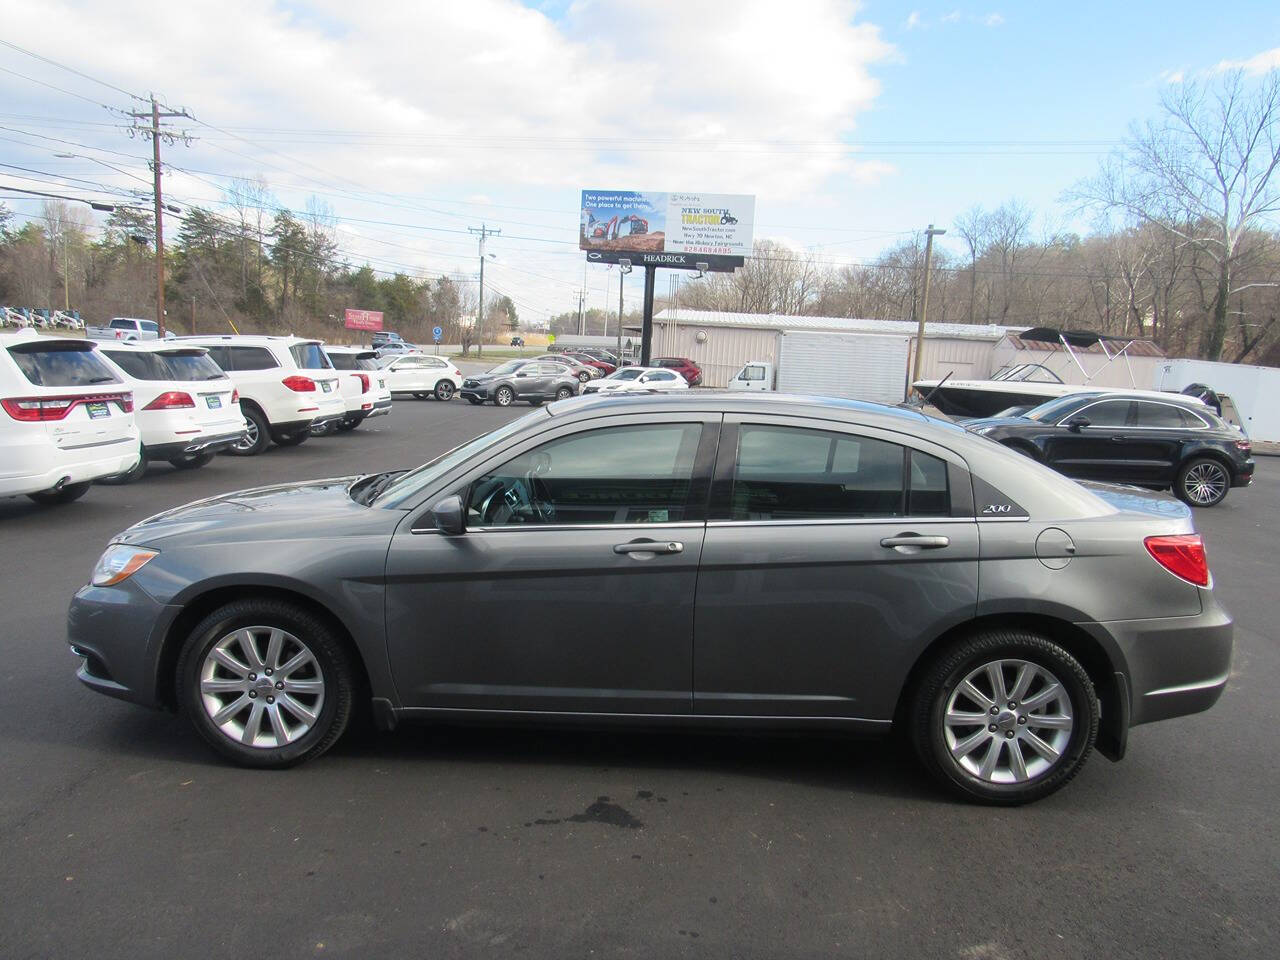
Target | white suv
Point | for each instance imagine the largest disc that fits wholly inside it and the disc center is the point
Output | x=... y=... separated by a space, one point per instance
x=67 y=419
x=186 y=408
x=287 y=385
x=364 y=386
x=421 y=375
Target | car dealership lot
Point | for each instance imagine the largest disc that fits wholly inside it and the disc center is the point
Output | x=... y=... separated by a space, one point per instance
x=121 y=835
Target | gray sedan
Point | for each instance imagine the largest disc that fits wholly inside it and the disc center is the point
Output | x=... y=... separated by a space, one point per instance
x=762 y=563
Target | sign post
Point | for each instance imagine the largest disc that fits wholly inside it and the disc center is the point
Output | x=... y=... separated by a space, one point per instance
x=706 y=232
x=436 y=335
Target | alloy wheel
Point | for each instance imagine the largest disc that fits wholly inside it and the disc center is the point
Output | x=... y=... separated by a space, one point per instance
x=1205 y=483
x=250 y=438
x=1008 y=721
x=262 y=687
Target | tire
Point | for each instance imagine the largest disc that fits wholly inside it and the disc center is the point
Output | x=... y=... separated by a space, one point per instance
x=422 y=395
x=939 y=743
x=322 y=430
x=68 y=493
x=445 y=390
x=192 y=461
x=504 y=396
x=292 y=439
x=583 y=377
x=474 y=401
x=1202 y=482
x=536 y=402
x=329 y=665
x=132 y=475
x=346 y=426
x=563 y=393
x=258 y=437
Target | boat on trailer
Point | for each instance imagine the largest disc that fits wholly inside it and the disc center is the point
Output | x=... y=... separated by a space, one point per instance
x=1026 y=385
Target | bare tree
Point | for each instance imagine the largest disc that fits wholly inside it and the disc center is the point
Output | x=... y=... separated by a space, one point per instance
x=1203 y=172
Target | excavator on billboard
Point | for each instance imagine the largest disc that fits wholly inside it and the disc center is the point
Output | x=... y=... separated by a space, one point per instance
x=609 y=229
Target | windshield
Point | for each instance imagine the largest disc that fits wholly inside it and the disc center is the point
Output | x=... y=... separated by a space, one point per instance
x=1028 y=372
x=627 y=373
x=1050 y=411
x=406 y=486
x=511 y=366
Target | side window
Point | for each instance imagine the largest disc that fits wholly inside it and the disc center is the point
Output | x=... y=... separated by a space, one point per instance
x=793 y=473
x=1108 y=413
x=219 y=356
x=1165 y=415
x=638 y=474
x=548 y=370
x=753 y=373
x=251 y=358
x=148 y=326
x=662 y=375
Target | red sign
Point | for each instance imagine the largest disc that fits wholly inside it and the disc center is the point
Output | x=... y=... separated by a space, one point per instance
x=363 y=319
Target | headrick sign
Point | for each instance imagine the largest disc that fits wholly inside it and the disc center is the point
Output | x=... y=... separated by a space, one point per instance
x=674 y=230
x=362 y=319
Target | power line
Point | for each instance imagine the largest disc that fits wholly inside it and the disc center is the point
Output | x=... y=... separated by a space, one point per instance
x=78 y=73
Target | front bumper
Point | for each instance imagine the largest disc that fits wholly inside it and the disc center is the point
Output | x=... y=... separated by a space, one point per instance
x=117 y=632
x=1174 y=665
x=476 y=393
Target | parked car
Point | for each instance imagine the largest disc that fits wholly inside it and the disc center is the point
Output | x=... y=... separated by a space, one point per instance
x=579 y=370
x=535 y=381
x=835 y=566
x=1174 y=442
x=637 y=380
x=587 y=360
x=396 y=348
x=423 y=376
x=126 y=328
x=608 y=356
x=68 y=418
x=186 y=407
x=691 y=372
x=363 y=385
x=287 y=385
x=517 y=341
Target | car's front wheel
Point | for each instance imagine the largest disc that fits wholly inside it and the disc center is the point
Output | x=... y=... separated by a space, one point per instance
x=266 y=683
x=504 y=396
x=1004 y=717
x=475 y=401
x=1202 y=482
x=563 y=393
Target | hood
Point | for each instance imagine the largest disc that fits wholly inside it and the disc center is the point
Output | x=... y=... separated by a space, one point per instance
x=280 y=511
x=484 y=377
x=976 y=424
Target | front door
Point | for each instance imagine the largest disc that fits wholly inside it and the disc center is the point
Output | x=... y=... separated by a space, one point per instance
x=1095 y=452
x=831 y=559
x=572 y=589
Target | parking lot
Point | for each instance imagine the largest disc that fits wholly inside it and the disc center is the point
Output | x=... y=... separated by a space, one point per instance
x=122 y=835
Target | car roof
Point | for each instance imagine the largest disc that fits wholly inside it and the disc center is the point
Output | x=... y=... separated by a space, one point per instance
x=347 y=348
x=150 y=346
x=251 y=339
x=1193 y=403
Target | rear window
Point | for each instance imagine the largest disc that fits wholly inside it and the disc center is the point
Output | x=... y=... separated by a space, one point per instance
x=250 y=358
x=345 y=361
x=61 y=365
x=310 y=356
x=188 y=365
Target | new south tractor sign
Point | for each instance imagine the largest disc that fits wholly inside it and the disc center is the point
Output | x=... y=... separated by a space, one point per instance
x=707 y=231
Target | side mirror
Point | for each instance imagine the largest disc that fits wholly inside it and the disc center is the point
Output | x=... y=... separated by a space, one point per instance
x=449 y=517
x=1074 y=424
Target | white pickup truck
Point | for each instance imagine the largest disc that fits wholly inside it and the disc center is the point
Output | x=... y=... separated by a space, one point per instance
x=126 y=328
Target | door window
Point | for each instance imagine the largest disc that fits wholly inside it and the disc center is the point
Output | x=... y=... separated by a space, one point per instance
x=752 y=373
x=661 y=376
x=1108 y=413
x=1166 y=415
x=634 y=474
x=792 y=473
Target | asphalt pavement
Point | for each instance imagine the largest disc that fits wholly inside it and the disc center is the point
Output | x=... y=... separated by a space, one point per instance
x=122 y=836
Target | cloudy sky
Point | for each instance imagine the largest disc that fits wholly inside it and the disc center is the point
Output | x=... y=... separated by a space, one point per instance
x=853 y=124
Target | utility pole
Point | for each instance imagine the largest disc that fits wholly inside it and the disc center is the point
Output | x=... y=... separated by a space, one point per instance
x=624 y=267
x=483 y=232
x=582 y=296
x=924 y=306
x=155 y=132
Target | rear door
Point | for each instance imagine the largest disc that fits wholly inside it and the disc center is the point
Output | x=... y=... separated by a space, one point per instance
x=1153 y=447
x=832 y=556
x=606 y=516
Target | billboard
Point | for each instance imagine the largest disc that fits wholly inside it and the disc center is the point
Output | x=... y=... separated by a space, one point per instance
x=363 y=319
x=696 y=224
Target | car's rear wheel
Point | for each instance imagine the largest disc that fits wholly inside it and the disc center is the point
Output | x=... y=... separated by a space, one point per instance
x=265 y=683
x=1004 y=717
x=421 y=395
x=444 y=390
x=65 y=494
x=583 y=377
x=475 y=401
x=346 y=425
x=503 y=396
x=564 y=393
x=1202 y=482
x=293 y=438
x=192 y=461
x=133 y=474
x=256 y=436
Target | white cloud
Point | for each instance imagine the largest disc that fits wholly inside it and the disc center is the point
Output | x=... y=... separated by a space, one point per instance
x=1172 y=76
x=1258 y=64
x=955 y=16
x=992 y=20
x=913 y=20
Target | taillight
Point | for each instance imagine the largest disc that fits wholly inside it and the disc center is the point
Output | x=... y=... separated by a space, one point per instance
x=364 y=382
x=300 y=384
x=1244 y=446
x=38 y=409
x=235 y=395
x=1182 y=555
x=171 y=400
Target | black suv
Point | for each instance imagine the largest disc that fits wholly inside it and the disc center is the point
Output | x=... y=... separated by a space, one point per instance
x=1149 y=441
x=533 y=380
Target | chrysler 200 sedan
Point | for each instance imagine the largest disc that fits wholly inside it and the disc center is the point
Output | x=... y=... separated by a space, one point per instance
x=763 y=562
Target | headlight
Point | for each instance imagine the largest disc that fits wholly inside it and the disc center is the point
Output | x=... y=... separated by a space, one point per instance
x=119 y=563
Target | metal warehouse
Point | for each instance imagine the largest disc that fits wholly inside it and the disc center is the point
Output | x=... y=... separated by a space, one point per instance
x=720 y=343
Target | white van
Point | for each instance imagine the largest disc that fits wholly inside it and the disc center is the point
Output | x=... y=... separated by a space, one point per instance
x=186 y=408
x=67 y=418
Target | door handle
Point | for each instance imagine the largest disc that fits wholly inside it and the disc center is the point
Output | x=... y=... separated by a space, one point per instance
x=916 y=540
x=649 y=546
x=1118 y=439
